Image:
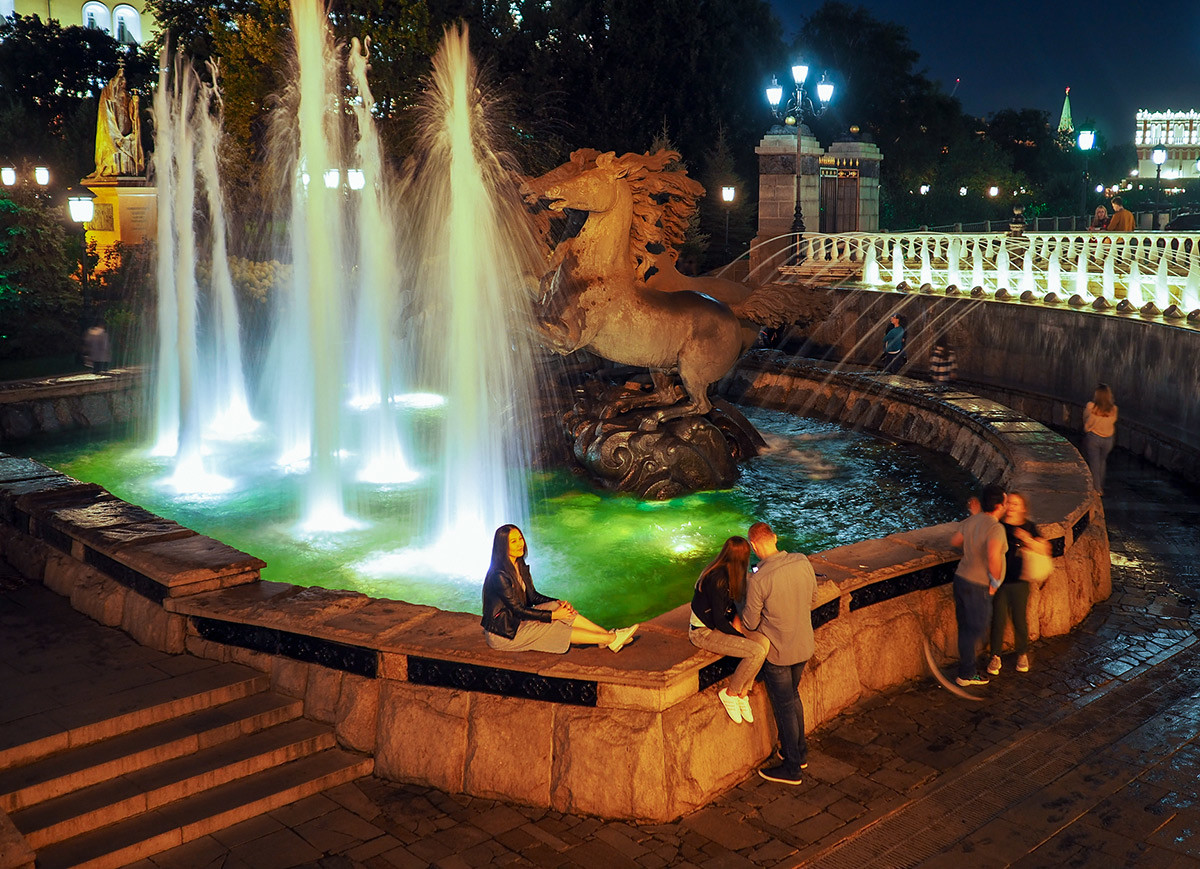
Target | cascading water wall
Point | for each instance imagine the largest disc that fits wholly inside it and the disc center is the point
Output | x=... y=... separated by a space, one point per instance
x=477 y=256
x=383 y=437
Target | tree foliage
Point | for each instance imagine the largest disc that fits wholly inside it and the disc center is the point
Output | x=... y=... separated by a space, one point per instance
x=39 y=302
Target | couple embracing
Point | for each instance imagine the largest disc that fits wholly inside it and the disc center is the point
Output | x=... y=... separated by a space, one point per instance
x=765 y=619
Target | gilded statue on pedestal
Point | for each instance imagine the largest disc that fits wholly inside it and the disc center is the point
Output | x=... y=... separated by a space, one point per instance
x=119 y=131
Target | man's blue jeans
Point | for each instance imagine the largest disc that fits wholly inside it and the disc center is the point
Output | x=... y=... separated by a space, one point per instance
x=782 y=683
x=972 y=611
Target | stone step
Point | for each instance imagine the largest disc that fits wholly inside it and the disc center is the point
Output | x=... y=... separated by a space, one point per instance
x=37 y=736
x=203 y=813
x=75 y=769
x=145 y=790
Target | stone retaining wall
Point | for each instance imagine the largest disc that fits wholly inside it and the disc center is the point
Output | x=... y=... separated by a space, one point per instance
x=1043 y=360
x=637 y=735
x=49 y=406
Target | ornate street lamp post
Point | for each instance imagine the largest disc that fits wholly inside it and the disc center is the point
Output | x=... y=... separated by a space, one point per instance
x=1087 y=138
x=727 y=194
x=792 y=114
x=1159 y=156
x=82 y=208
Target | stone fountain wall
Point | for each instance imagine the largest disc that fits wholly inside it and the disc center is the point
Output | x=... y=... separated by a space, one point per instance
x=635 y=735
x=1041 y=360
x=49 y=406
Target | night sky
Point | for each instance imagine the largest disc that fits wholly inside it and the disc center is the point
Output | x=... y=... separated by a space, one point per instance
x=1117 y=57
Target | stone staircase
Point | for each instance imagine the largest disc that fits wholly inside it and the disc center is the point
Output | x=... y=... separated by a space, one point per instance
x=109 y=782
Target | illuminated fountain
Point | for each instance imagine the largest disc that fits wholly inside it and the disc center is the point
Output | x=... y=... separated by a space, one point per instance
x=333 y=393
x=394 y=401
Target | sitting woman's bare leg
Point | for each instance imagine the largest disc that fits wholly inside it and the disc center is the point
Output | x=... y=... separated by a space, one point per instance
x=590 y=636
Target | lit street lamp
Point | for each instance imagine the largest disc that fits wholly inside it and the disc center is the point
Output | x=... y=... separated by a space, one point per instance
x=727 y=194
x=792 y=114
x=1087 y=138
x=82 y=208
x=1159 y=156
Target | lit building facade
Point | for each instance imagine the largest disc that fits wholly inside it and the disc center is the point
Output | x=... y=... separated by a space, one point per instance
x=1178 y=132
x=125 y=20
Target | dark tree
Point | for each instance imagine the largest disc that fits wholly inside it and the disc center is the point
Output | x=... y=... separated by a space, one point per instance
x=39 y=303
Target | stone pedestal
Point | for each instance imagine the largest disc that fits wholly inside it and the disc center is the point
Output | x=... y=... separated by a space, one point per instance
x=126 y=212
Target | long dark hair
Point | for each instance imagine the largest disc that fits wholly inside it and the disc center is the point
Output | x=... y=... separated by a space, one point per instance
x=729 y=567
x=500 y=560
x=1102 y=399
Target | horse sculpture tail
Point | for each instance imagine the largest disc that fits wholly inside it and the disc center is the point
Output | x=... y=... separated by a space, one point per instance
x=771 y=306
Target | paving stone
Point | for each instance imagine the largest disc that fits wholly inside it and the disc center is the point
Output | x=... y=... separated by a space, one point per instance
x=373 y=848
x=255 y=828
x=620 y=841
x=278 y=850
x=499 y=819
x=352 y=797
x=197 y=854
x=303 y=810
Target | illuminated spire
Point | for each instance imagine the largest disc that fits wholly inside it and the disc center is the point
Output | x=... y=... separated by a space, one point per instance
x=1065 y=124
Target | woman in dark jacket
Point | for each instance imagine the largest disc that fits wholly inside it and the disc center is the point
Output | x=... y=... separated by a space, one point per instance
x=518 y=618
x=717 y=628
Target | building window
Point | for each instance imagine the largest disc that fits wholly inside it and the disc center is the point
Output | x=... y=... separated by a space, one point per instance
x=95 y=16
x=129 y=25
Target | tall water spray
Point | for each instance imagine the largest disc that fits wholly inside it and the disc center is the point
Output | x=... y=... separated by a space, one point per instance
x=476 y=268
x=392 y=283
x=316 y=340
x=198 y=391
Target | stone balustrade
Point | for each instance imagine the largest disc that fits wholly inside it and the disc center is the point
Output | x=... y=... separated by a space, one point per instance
x=637 y=735
x=1156 y=274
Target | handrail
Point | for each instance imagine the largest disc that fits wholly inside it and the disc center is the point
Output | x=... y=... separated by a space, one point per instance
x=1158 y=271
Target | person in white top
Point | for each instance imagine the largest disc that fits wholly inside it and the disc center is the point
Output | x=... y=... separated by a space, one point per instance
x=1099 y=432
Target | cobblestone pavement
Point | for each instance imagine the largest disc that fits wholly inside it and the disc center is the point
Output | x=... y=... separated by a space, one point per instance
x=1091 y=759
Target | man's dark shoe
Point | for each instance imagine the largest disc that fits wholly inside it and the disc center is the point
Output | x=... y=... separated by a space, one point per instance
x=781 y=775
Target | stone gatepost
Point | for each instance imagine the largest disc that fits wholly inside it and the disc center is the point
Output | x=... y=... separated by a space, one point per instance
x=789 y=164
x=776 y=195
x=864 y=157
x=782 y=158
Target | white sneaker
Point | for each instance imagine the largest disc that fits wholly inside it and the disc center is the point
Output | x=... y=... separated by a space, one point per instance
x=732 y=706
x=994 y=665
x=744 y=708
x=623 y=636
x=1023 y=664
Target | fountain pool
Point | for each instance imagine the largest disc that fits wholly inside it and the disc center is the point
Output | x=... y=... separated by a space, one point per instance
x=616 y=558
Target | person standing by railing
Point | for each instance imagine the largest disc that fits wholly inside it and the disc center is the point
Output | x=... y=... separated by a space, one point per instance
x=1122 y=219
x=943 y=364
x=1099 y=432
x=894 y=357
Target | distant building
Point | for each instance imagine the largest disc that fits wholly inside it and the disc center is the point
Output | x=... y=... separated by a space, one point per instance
x=1178 y=132
x=124 y=20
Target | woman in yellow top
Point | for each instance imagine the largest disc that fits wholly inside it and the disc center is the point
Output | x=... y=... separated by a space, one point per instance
x=1099 y=432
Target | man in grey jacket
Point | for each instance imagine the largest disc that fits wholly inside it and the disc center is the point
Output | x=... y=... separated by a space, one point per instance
x=779 y=601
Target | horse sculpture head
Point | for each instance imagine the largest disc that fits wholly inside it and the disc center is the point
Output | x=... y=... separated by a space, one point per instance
x=596 y=189
x=662 y=196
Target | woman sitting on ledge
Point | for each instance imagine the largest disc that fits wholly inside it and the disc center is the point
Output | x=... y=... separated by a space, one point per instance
x=517 y=618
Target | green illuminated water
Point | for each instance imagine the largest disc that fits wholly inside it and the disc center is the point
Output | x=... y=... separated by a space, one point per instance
x=618 y=560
